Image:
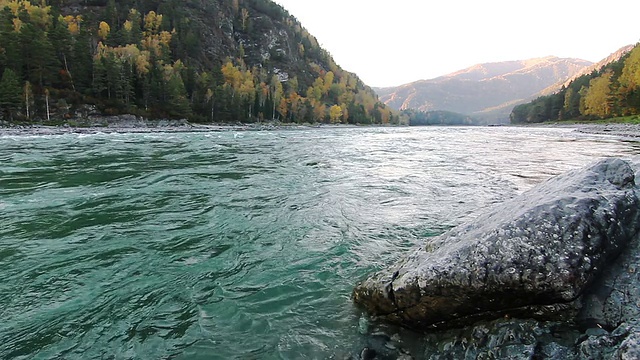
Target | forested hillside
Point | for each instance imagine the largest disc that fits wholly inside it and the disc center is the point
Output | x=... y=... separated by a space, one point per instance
x=209 y=61
x=612 y=91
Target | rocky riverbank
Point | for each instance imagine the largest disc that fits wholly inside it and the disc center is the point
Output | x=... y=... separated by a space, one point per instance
x=622 y=130
x=131 y=124
x=551 y=274
x=631 y=131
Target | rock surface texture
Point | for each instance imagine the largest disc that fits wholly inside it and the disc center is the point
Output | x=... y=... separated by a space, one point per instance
x=552 y=273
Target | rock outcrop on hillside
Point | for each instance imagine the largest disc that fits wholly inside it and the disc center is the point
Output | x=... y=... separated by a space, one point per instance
x=552 y=273
x=269 y=35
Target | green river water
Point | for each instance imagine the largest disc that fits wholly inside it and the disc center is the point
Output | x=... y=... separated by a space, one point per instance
x=237 y=245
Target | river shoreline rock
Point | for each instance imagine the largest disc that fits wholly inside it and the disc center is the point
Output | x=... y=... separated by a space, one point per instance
x=123 y=124
x=619 y=130
x=564 y=255
x=119 y=125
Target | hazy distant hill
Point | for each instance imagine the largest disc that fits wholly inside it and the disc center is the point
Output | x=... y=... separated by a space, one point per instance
x=487 y=91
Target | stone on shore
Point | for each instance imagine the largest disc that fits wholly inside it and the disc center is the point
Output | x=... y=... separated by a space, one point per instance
x=532 y=256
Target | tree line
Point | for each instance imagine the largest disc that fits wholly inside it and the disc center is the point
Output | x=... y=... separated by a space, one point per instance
x=612 y=91
x=147 y=63
x=437 y=117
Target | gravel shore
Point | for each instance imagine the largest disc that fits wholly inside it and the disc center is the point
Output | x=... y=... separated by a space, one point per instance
x=620 y=130
x=623 y=130
x=42 y=130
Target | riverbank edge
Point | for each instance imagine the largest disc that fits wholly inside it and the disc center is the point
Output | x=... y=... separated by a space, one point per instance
x=623 y=130
x=123 y=124
x=132 y=124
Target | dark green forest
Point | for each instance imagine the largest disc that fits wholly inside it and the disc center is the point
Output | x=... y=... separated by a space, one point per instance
x=612 y=91
x=207 y=61
x=438 y=117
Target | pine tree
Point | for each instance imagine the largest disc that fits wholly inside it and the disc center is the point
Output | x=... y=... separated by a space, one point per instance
x=60 y=39
x=40 y=60
x=81 y=62
x=10 y=94
x=177 y=104
x=10 y=43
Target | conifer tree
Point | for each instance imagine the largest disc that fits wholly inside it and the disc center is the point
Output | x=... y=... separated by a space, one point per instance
x=10 y=94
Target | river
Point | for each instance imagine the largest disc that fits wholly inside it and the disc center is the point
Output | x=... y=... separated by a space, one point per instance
x=237 y=244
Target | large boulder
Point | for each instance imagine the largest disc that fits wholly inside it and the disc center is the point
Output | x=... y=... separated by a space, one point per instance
x=532 y=256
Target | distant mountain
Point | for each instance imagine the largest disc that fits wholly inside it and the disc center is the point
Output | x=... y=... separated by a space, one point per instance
x=485 y=91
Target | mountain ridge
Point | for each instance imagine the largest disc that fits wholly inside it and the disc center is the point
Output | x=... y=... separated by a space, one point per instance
x=482 y=90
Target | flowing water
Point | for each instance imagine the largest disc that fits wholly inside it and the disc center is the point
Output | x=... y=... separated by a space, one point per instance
x=237 y=244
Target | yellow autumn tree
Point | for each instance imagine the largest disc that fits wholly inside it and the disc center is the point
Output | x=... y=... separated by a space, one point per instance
x=247 y=89
x=335 y=114
x=314 y=93
x=103 y=30
x=283 y=108
x=319 y=84
x=73 y=23
x=597 y=99
x=143 y=62
x=319 y=111
x=128 y=26
x=345 y=113
x=294 y=103
x=17 y=24
x=40 y=15
x=328 y=81
x=152 y=22
x=232 y=76
x=630 y=77
x=158 y=44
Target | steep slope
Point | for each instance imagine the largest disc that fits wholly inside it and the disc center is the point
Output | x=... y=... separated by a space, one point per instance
x=615 y=56
x=225 y=60
x=486 y=91
x=610 y=91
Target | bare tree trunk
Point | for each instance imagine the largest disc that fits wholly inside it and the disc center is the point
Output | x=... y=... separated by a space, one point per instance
x=66 y=67
x=27 y=89
x=46 y=98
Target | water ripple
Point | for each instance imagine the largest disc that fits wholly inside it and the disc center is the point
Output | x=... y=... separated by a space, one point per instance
x=236 y=245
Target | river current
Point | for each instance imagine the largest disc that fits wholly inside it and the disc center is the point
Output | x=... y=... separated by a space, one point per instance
x=238 y=245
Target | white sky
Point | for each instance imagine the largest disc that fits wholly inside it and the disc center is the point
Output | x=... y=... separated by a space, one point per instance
x=393 y=42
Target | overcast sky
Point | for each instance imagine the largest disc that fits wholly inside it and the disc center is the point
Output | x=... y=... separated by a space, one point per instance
x=393 y=42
